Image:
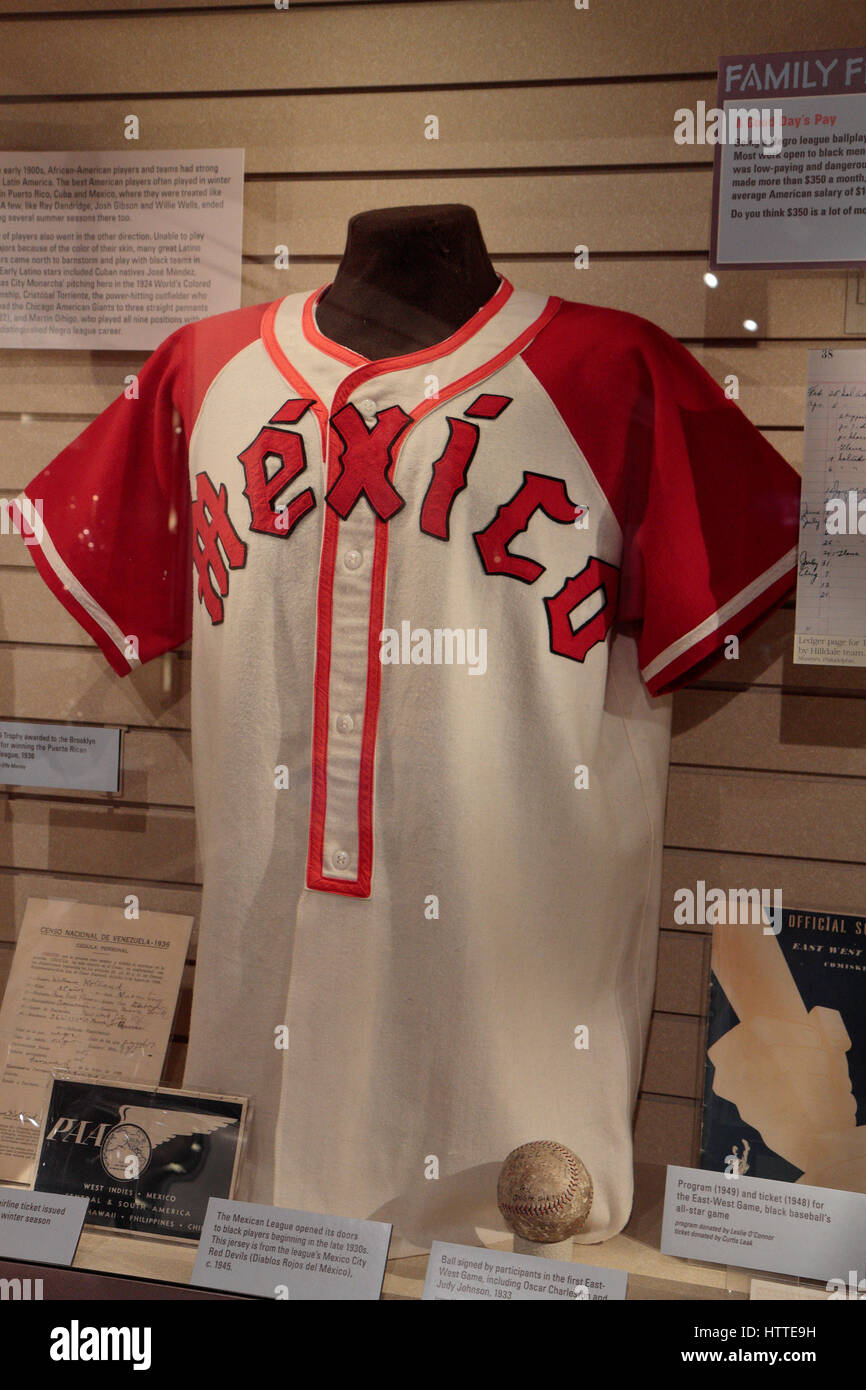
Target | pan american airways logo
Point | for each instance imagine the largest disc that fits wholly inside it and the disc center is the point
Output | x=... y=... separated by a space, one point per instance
x=126 y=1149
x=366 y=456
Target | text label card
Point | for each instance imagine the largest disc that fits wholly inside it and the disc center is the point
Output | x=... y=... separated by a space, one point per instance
x=788 y=189
x=463 y=1272
x=274 y=1252
x=781 y=1227
x=72 y=756
x=116 y=248
x=39 y=1225
x=830 y=624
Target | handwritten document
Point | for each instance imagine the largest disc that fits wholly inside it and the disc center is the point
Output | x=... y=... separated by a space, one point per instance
x=91 y=994
x=831 y=573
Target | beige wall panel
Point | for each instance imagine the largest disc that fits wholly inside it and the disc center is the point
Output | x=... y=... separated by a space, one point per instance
x=13 y=555
x=762 y=814
x=668 y=291
x=766 y=658
x=772 y=376
x=771 y=730
x=156 y=771
x=112 y=842
x=68 y=684
x=374 y=46
x=806 y=883
x=29 y=612
x=157 y=768
x=175 y=1060
x=16 y=886
x=666 y=1131
x=500 y=128
x=674 y=1064
x=683 y=972
x=27 y=445
x=629 y=210
x=23 y=7
x=61 y=381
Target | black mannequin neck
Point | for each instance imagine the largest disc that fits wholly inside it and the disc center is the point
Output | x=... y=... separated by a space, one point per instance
x=409 y=278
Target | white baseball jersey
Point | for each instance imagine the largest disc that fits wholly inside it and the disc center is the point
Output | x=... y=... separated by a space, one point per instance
x=437 y=603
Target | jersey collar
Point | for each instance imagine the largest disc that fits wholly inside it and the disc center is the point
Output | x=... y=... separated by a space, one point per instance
x=320 y=368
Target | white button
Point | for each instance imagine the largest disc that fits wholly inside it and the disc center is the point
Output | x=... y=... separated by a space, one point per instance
x=340 y=859
x=353 y=559
x=345 y=723
x=367 y=407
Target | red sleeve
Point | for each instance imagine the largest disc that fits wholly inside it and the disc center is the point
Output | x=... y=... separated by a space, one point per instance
x=708 y=510
x=712 y=521
x=108 y=520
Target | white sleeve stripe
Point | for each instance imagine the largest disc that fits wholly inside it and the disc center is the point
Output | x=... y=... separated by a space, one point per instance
x=715 y=621
x=80 y=594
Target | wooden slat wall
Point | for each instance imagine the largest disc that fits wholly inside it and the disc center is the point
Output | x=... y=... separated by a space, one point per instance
x=556 y=125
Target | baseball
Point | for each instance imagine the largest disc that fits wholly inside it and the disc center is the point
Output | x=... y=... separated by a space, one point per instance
x=544 y=1191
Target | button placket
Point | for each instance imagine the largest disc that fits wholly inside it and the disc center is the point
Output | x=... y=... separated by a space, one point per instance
x=347 y=684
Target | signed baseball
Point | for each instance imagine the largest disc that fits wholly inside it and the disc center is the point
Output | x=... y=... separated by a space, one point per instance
x=544 y=1191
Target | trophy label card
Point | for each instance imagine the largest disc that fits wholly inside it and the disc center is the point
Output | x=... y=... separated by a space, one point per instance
x=780 y=1227
x=149 y=1160
x=463 y=1272
x=77 y=757
x=40 y=1226
x=274 y=1252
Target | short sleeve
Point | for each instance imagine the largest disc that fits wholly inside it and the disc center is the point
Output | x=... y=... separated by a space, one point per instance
x=713 y=517
x=108 y=520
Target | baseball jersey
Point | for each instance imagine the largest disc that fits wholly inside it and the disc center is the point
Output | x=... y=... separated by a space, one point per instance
x=437 y=603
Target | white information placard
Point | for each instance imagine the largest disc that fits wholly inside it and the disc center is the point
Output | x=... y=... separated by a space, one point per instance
x=779 y=1227
x=795 y=196
x=273 y=1252
x=72 y=756
x=40 y=1226
x=116 y=248
x=463 y=1273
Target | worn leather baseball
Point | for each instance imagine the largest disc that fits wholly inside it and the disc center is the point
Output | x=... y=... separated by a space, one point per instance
x=544 y=1191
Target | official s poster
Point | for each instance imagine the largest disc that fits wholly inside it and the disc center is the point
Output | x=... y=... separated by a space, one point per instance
x=785 y=1088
